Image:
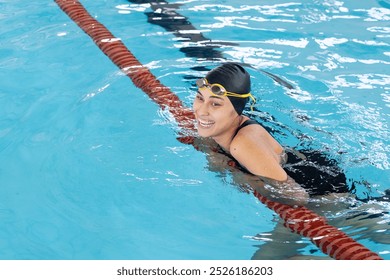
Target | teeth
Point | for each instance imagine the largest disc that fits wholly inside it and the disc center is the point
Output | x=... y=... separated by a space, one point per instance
x=205 y=124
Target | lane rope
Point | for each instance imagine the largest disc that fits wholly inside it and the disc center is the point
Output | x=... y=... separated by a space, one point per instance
x=300 y=220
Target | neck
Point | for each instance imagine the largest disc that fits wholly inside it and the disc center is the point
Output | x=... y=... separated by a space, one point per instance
x=225 y=139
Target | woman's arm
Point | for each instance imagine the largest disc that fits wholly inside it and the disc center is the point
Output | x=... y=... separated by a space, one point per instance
x=288 y=192
x=260 y=159
x=257 y=156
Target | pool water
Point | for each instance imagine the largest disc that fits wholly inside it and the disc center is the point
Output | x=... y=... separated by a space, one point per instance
x=91 y=168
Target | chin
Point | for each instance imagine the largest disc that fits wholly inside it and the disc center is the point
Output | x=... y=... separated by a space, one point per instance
x=204 y=132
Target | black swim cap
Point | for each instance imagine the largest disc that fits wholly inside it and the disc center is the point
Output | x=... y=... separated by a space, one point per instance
x=233 y=78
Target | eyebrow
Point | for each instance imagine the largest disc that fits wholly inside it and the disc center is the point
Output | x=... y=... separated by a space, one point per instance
x=212 y=96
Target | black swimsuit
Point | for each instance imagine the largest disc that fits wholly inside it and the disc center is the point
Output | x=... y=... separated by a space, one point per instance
x=316 y=172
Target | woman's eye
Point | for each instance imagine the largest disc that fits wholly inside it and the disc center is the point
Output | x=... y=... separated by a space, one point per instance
x=215 y=104
x=199 y=97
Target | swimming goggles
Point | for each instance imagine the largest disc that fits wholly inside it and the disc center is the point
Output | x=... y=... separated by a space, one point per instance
x=219 y=90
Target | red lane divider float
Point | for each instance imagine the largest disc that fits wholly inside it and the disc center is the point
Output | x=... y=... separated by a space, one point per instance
x=300 y=220
x=329 y=239
x=125 y=60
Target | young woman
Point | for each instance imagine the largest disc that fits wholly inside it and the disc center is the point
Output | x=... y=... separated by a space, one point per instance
x=220 y=100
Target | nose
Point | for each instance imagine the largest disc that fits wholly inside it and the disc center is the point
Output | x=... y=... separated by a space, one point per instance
x=201 y=109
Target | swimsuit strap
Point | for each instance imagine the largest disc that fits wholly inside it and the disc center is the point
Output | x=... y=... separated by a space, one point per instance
x=244 y=124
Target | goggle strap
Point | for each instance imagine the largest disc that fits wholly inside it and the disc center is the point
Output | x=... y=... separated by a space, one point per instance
x=203 y=82
x=221 y=89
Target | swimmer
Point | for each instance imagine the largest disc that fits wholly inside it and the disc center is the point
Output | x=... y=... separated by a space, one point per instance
x=218 y=107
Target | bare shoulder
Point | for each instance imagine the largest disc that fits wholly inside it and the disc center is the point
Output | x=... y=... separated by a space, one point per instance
x=253 y=148
x=255 y=136
x=249 y=139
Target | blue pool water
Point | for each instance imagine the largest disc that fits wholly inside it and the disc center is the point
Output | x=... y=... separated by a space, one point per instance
x=91 y=169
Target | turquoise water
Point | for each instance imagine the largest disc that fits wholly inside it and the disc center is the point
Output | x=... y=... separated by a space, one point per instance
x=91 y=168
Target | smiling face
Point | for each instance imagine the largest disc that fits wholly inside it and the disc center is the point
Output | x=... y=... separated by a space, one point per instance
x=215 y=115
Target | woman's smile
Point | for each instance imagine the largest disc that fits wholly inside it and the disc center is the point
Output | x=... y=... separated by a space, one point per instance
x=205 y=123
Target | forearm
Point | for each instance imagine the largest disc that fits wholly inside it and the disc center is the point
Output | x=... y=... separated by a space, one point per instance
x=288 y=191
